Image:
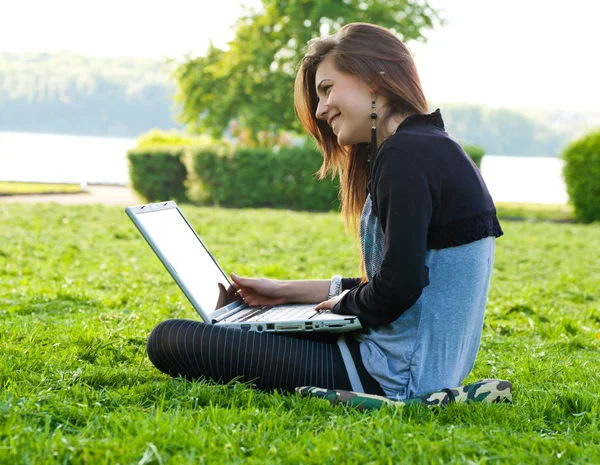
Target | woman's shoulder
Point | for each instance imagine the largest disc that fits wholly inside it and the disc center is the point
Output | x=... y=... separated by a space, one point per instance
x=420 y=136
x=422 y=145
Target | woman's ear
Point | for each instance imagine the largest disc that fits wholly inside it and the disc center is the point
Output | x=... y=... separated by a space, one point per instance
x=375 y=84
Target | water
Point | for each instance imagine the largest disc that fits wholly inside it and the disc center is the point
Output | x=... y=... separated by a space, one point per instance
x=102 y=160
x=61 y=158
x=525 y=179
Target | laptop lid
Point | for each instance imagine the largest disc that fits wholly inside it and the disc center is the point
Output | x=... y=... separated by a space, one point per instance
x=185 y=256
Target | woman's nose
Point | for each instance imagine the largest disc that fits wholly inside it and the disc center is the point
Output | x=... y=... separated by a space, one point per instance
x=322 y=111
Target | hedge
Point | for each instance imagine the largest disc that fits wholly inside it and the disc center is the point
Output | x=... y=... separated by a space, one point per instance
x=158 y=173
x=260 y=177
x=582 y=176
x=170 y=138
x=475 y=152
x=214 y=172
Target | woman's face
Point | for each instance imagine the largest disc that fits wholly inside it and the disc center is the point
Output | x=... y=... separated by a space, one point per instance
x=344 y=102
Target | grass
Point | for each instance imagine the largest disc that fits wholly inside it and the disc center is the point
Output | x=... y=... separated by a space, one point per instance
x=80 y=291
x=20 y=188
x=535 y=212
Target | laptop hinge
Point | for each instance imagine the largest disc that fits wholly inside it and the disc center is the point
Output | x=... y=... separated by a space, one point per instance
x=227 y=311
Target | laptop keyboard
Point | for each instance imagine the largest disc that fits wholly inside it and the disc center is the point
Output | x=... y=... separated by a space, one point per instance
x=280 y=313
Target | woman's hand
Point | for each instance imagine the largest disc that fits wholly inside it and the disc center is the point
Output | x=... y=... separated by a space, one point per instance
x=329 y=304
x=259 y=291
x=226 y=296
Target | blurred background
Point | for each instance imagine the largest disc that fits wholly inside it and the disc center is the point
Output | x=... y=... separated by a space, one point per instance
x=83 y=83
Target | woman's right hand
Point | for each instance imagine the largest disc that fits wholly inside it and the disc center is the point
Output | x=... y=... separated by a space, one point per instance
x=259 y=291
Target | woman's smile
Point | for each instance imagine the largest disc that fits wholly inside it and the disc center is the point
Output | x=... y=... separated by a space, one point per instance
x=334 y=121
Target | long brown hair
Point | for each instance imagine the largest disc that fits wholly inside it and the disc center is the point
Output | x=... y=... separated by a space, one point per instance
x=363 y=50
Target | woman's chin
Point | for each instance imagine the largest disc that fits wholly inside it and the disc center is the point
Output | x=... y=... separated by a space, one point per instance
x=342 y=139
x=345 y=141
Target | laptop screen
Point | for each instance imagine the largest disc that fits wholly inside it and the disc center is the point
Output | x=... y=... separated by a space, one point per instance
x=180 y=246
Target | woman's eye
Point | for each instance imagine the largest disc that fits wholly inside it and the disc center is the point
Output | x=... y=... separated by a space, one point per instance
x=326 y=89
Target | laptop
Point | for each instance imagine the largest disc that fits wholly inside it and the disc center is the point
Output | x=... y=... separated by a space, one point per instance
x=205 y=284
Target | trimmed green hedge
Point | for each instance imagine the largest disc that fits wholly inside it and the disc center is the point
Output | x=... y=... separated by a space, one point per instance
x=260 y=177
x=582 y=176
x=158 y=173
x=475 y=152
x=171 y=138
x=169 y=166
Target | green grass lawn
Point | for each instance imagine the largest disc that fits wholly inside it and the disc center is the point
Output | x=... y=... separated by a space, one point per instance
x=19 y=188
x=80 y=290
x=542 y=212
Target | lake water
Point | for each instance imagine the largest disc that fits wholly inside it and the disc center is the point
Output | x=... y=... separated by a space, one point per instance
x=102 y=160
x=62 y=158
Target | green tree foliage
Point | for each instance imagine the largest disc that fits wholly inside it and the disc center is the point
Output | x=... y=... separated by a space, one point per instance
x=582 y=176
x=252 y=81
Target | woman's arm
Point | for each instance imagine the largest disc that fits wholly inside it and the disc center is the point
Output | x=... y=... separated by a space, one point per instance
x=311 y=291
x=263 y=291
x=402 y=202
x=349 y=283
x=305 y=291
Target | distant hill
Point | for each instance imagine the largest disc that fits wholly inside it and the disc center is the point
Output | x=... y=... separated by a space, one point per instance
x=510 y=131
x=507 y=131
x=70 y=93
x=575 y=124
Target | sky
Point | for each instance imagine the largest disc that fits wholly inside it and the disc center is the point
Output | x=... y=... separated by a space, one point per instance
x=538 y=54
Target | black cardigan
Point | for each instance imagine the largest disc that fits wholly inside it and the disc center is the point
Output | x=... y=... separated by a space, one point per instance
x=427 y=194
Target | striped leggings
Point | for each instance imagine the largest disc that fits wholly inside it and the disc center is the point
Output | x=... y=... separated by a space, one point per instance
x=193 y=350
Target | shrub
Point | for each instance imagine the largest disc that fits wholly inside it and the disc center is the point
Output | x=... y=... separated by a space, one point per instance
x=582 y=176
x=172 y=138
x=158 y=140
x=475 y=152
x=260 y=177
x=157 y=172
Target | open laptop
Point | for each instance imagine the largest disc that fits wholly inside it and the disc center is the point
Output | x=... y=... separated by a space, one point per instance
x=205 y=284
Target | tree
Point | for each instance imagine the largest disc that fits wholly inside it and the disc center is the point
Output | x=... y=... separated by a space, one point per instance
x=252 y=81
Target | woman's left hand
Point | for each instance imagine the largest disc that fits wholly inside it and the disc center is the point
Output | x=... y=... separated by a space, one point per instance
x=329 y=304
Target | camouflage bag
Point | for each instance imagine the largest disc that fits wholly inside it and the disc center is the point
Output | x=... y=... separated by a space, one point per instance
x=486 y=390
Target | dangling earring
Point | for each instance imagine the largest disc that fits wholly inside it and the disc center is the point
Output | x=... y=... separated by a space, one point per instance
x=373 y=132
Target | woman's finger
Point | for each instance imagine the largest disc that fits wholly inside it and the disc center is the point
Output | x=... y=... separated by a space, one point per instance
x=242 y=282
x=320 y=306
x=239 y=280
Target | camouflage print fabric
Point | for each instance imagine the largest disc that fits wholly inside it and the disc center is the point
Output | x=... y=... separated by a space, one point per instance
x=486 y=390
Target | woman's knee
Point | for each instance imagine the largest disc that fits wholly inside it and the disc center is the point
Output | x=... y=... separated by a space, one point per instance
x=160 y=344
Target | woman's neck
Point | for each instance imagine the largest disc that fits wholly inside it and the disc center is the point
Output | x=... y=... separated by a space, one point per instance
x=390 y=128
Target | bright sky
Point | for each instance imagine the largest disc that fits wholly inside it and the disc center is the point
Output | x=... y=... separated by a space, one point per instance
x=517 y=53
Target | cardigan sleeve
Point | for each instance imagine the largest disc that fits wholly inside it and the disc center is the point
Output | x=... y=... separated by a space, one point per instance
x=402 y=201
x=349 y=283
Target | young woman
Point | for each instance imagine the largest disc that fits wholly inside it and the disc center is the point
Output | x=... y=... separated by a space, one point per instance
x=427 y=228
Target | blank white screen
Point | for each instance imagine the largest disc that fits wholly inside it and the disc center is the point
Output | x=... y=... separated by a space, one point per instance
x=191 y=261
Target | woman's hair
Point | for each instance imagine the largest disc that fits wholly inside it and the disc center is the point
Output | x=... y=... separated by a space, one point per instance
x=377 y=57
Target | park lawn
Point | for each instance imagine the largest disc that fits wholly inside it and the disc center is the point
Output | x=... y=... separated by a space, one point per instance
x=527 y=211
x=20 y=188
x=80 y=290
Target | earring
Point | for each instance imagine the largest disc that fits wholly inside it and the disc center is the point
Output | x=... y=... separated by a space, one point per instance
x=373 y=132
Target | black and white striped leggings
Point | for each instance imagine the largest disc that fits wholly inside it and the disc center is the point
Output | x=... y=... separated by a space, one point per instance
x=193 y=350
